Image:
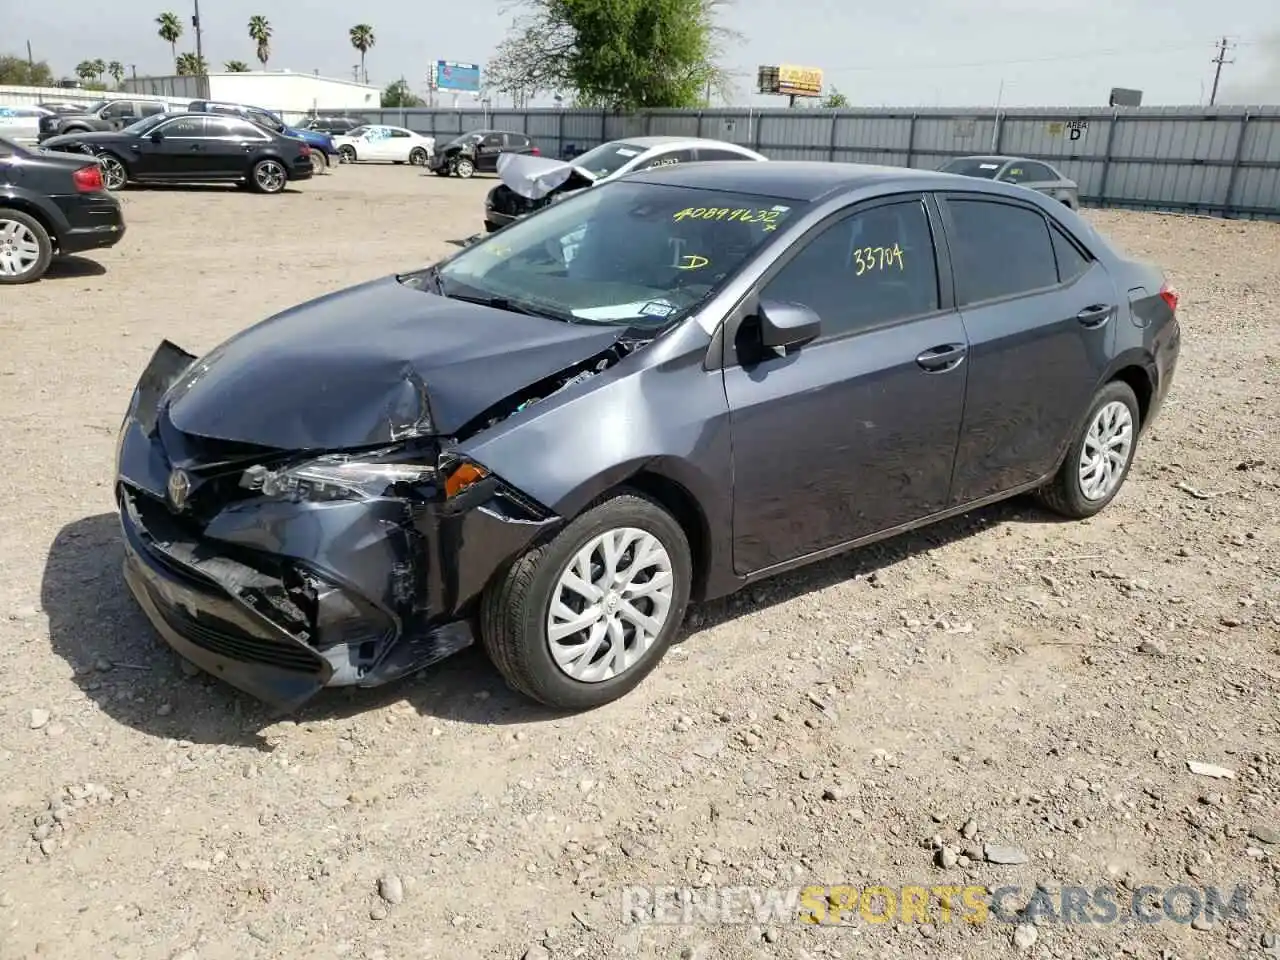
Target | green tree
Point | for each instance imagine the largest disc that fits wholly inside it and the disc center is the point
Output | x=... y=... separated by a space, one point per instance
x=170 y=30
x=86 y=70
x=116 y=69
x=621 y=54
x=398 y=94
x=20 y=72
x=189 y=65
x=362 y=39
x=260 y=33
x=835 y=100
x=235 y=66
x=99 y=69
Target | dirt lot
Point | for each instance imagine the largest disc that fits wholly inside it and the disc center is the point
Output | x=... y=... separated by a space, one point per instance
x=1047 y=681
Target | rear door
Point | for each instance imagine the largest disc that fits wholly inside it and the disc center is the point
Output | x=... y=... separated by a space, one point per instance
x=854 y=433
x=398 y=144
x=229 y=141
x=1040 y=312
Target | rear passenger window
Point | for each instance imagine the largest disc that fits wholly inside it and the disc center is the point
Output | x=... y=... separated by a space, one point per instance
x=999 y=250
x=1071 y=262
x=864 y=271
x=705 y=154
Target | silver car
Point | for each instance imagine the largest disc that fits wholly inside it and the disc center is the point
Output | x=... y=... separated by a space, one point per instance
x=1033 y=174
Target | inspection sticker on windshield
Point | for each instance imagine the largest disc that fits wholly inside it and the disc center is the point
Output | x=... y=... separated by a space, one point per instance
x=657 y=308
x=988 y=166
x=624 y=152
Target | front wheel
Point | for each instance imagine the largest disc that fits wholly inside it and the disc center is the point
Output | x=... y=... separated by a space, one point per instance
x=580 y=621
x=268 y=176
x=418 y=157
x=347 y=153
x=1099 y=459
x=25 y=248
x=114 y=173
x=464 y=168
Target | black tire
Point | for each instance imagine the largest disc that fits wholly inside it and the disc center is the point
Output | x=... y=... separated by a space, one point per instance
x=269 y=176
x=319 y=165
x=418 y=157
x=44 y=246
x=347 y=153
x=115 y=173
x=1064 y=494
x=442 y=171
x=465 y=168
x=514 y=608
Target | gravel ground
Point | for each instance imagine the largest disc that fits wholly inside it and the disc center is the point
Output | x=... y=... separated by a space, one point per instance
x=894 y=717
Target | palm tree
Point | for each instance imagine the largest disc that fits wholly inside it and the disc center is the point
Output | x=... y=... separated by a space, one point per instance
x=189 y=65
x=363 y=40
x=170 y=31
x=85 y=70
x=235 y=66
x=260 y=33
x=116 y=69
x=99 y=68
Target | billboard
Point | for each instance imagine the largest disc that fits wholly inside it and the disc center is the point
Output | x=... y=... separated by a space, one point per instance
x=790 y=80
x=459 y=77
x=1124 y=97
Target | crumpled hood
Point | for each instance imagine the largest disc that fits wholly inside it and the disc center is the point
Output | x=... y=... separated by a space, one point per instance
x=371 y=364
x=534 y=177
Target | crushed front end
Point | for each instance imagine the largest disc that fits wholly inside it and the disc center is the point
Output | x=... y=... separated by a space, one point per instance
x=285 y=571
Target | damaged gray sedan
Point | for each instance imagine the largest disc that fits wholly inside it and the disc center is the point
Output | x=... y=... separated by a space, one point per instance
x=658 y=389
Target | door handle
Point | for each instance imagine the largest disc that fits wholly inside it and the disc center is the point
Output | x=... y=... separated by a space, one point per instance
x=196 y=146
x=942 y=358
x=1096 y=315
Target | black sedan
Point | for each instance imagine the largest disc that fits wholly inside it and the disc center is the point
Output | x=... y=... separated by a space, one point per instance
x=50 y=206
x=193 y=148
x=478 y=152
x=663 y=388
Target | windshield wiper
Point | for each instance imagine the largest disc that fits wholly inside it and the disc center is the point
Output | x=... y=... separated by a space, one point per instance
x=503 y=303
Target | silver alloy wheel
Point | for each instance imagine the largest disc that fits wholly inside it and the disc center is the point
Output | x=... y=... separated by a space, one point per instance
x=269 y=176
x=317 y=163
x=1105 y=454
x=114 y=174
x=464 y=168
x=19 y=248
x=610 y=604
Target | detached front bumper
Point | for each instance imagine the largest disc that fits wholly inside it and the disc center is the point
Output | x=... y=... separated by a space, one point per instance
x=282 y=598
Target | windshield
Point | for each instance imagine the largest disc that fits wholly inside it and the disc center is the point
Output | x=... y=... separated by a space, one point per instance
x=608 y=158
x=627 y=254
x=146 y=123
x=264 y=119
x=984 y=167
x=357 y=131
x=464 y=138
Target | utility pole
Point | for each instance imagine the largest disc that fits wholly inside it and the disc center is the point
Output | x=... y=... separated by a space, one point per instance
x=31 y=60
x=1223 y=46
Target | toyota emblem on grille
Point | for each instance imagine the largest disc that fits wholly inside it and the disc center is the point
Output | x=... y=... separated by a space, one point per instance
x=179 y=488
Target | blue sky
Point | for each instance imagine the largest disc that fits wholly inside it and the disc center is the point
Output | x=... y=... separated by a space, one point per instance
x=930 y=53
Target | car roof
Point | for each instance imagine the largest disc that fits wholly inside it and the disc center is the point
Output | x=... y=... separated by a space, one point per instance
x=806 y=180
x=650 y=142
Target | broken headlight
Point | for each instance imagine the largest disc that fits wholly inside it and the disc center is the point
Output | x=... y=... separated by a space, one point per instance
x=339 y=477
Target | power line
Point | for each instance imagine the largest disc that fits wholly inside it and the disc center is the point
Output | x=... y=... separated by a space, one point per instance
x=1223 y=46
x=1066 y=58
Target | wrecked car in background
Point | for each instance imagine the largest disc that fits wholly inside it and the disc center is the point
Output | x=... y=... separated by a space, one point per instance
x=658 y=389
x=530 y=183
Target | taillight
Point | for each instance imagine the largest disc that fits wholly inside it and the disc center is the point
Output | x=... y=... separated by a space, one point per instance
x=1170 y=296
x=88 y=179
x=535 y=151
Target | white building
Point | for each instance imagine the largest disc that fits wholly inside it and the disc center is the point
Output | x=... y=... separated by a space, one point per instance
x=292 y=94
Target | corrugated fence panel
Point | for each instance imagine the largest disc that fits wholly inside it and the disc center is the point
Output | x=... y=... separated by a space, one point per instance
x=1217 y=160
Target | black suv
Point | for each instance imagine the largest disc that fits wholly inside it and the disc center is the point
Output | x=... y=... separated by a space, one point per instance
x=101 y=116
x=478 y=150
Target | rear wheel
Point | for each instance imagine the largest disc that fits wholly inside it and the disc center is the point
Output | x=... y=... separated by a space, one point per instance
x=25 y=247
x=1098 y=462
x=418 y=157
x=114 y=173
x=464 y=168
x=582 y=620
x=318 y=163
x=268 y=176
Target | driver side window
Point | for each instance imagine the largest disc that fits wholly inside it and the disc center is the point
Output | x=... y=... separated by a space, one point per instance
x=866 y=270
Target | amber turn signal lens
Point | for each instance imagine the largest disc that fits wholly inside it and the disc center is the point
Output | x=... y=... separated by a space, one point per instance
x=464 y=476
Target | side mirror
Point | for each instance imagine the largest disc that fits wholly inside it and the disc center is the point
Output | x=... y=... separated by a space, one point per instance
x=157 y=137
x=787 y=324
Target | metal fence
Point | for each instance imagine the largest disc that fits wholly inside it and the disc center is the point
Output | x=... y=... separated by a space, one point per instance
x=1219 y=161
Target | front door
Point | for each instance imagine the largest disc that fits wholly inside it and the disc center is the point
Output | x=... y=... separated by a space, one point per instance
x=854 y=433
x=487 y=152
x=181 y=150
x=1040 y=312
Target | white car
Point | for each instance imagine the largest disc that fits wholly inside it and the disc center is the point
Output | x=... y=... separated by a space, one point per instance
x=529 y=183
x=21 y=123
x=380 y=142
